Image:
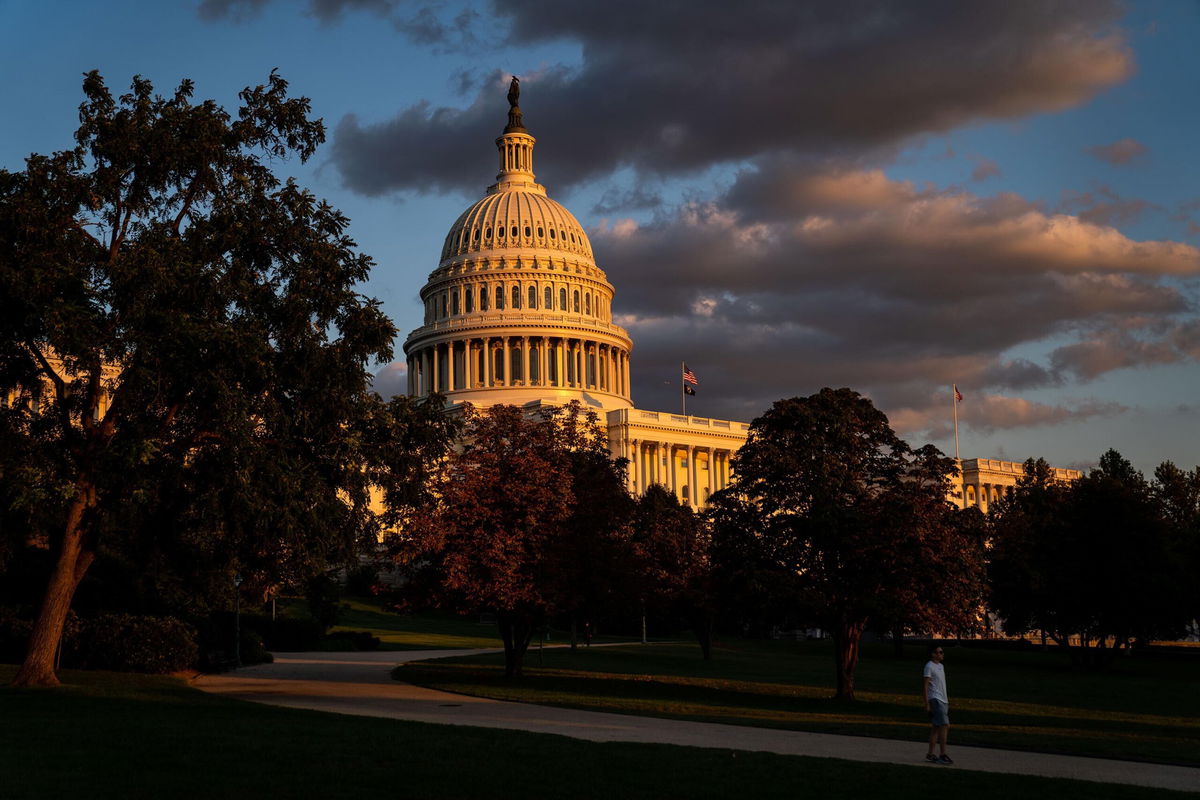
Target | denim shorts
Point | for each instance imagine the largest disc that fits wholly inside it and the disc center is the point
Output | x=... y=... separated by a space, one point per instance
x=939 y=713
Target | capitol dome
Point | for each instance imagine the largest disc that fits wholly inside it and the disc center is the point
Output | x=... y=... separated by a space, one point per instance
x=517 y=311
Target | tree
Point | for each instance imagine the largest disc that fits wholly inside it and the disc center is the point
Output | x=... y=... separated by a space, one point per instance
x=673 y=546
x=185 y=334
x=1177 y=493
x=594 y=553
x=858 y=519
x=486 y=545
x=1094 y=564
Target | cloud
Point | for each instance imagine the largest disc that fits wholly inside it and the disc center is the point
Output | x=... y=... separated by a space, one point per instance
x=391 y=380
x=1123 y=151
x=1104 y=206
x=984 y=168
x=990 y=413
x=851 y=278
x=667 y=92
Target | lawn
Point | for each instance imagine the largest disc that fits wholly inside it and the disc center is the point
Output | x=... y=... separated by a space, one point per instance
x=1142 y=709
x=106 y=735
x=427 y=631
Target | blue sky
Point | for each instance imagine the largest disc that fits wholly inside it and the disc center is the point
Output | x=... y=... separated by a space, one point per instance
x=890 y=196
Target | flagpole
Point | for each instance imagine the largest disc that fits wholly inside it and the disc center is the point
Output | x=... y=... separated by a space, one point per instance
x=682 y=391
x=954 y=399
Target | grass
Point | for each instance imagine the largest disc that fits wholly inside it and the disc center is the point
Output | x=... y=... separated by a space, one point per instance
x=425 y=631
x=1144 y=709
x=106 y=735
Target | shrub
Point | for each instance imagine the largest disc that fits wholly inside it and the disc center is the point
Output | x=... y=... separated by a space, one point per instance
x=15 y=626
x=253 y=651
x=362 y=581
x=346 y=641
x=129 y=643
x=282 y=633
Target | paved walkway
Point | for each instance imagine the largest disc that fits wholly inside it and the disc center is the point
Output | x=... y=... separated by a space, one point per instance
x=360 y=683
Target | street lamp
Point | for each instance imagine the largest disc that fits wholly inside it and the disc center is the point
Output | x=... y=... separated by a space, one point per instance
x=237 y=619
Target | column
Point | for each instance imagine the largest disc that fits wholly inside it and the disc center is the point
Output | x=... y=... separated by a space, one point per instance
x=526 y=362
x=450 y=366
x=693 y=476
x=507 y=362
x=543 y=362
x=560 y=377
x=468 y=364
x=712 y=471
x=486 y=353
x=631 y=454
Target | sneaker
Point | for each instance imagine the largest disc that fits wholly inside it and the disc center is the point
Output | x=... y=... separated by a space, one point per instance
x=945 y=759
x=931 y=758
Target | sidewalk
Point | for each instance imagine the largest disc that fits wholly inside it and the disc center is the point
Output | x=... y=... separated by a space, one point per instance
x=360 y=684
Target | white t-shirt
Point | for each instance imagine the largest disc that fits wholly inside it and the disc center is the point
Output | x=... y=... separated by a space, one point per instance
x=937 y=682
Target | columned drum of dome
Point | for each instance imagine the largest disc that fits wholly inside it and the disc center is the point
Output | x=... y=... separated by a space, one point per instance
x=517 y=311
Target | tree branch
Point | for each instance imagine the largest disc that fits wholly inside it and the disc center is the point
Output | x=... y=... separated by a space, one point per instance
x=60 y=385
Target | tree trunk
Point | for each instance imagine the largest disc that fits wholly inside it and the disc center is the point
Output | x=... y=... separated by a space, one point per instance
x=846 y=638
x=73 y=561
x=516 y=629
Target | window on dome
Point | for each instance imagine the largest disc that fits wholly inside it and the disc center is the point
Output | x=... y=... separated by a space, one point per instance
x=541 y=233
x=470 y=299
x=552 y=233
x=487 y=234
x=587 y=304
x=562 y=235
x=499 y=231
x=562 y=299
x=454 y=303
x=533 y=297
x=548 y=299
x=443 y=304
x=483 y=298
x=572 y=238
x=477 y=234
x=514 y=231
x=576 y=301
x=527 y=233
x=499 y=298
x=516 y=297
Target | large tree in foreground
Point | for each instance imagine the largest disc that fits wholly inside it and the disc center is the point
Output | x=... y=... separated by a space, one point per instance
x=856 y=520
x=180 y=322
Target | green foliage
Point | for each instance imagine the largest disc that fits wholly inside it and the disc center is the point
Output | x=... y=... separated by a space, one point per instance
x=323 y=597
x=1097 y=564
x=190 y=348
x=848 y=521
x=128 y=643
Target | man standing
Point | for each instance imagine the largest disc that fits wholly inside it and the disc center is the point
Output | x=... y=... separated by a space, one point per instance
x=937 y=705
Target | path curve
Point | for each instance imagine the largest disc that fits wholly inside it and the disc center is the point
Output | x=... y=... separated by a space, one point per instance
x=361 y=684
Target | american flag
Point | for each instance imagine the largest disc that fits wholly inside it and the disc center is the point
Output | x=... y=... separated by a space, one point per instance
x=957 y=394
x=689 y=376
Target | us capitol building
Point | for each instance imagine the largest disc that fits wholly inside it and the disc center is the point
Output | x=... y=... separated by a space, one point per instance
x=517 y=312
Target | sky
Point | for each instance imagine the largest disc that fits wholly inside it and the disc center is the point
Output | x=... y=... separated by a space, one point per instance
x=891 y=196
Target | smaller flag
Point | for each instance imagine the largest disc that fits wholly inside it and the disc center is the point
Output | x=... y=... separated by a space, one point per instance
x=688 y=390
x=689 y=377
x=957 y=394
